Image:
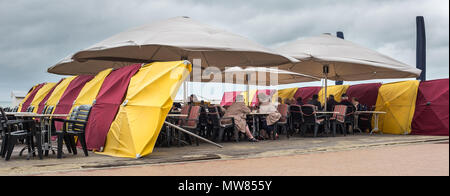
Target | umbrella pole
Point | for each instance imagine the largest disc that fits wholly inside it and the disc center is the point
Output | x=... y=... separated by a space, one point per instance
x=184 y=92
x=248 y=90
x=191 y=134
x=325 y=72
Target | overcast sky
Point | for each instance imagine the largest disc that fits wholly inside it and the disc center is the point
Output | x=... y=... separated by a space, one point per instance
x=36 y=34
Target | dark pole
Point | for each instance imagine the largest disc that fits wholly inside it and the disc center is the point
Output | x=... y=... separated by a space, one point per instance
x=421 y=55
x=340 y=34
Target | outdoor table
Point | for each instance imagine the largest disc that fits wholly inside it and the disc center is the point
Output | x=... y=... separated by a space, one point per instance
x=256 y=118
x=327 y=120
x=376 y=115
x=47 y=142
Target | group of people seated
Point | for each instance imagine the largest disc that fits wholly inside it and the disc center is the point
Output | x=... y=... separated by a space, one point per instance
x=239 y=111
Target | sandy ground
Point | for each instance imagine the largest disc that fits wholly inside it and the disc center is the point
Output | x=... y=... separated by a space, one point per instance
x=404 y=160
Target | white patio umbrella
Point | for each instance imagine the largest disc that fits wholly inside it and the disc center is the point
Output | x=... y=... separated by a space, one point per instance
x=329 y=57
x=265 y=76
x=179 y=38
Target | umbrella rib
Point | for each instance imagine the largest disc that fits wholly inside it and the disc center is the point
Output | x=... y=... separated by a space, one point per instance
x=154 y=54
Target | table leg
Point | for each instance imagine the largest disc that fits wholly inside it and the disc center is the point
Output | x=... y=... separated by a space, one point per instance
x=254 y=125
x=375 y=129
x=356 y=124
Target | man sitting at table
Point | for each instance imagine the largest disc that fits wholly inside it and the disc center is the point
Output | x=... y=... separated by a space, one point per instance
x=300 y=101
x=331 y=103
x=315 y=101
x=345 y=101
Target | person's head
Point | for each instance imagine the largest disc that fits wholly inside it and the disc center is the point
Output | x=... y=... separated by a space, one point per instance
x=263 y=98
x=299 y=101
x=280 y=100
x=355 y=100
x=240 y=99
x=287 y=101
x=344 y=97
x=315 y=97
x=331 y=97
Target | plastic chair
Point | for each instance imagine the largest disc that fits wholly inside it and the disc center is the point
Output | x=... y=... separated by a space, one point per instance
x=216 y=122
x=283 y=123
x=295 y=117
x=310 y=118
x=75 y=126
x=11 y=133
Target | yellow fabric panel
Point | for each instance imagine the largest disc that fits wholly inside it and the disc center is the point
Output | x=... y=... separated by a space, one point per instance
x=90 y=90
x=41 y=94
x=149 y=99
x=26 y=97
x=251 y=97
x=399 y=101
x=288 y=93
x=59 y=91
x=337 y=91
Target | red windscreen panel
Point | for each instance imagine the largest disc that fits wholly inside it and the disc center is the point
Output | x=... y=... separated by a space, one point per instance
x=431 y=115
x=42 y=103
x=107 y=104
x=70 y=94
x=306 y=93
x=367 y=94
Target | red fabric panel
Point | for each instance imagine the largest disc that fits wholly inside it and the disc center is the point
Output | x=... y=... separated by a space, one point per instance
x=229 y=98
x=42 y=103
x=306 y=93
x=70 y=95
x=366 y=93
x=432 y=109
x=107 y=104
x=33 y=93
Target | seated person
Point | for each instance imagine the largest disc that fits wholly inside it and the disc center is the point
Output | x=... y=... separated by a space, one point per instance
x=345 y=101
x=266 y=106
x=331 y=103
x=300 y=101
x=238 y=110
x=315 y=101
x=364 y=120
x=287 y=101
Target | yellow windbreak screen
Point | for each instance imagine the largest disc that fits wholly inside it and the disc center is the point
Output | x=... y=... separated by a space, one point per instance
x=149 y=99
x=90 y=90
x=398 y=100
x=41 y=94
x=59 y=91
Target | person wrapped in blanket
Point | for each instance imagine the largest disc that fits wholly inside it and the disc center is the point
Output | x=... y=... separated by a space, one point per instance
x=238 y=110
x=268 y=124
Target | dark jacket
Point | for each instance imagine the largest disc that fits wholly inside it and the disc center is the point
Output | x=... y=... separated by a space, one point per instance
x=316 y=103
x=331 y=104
x=348 y=103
